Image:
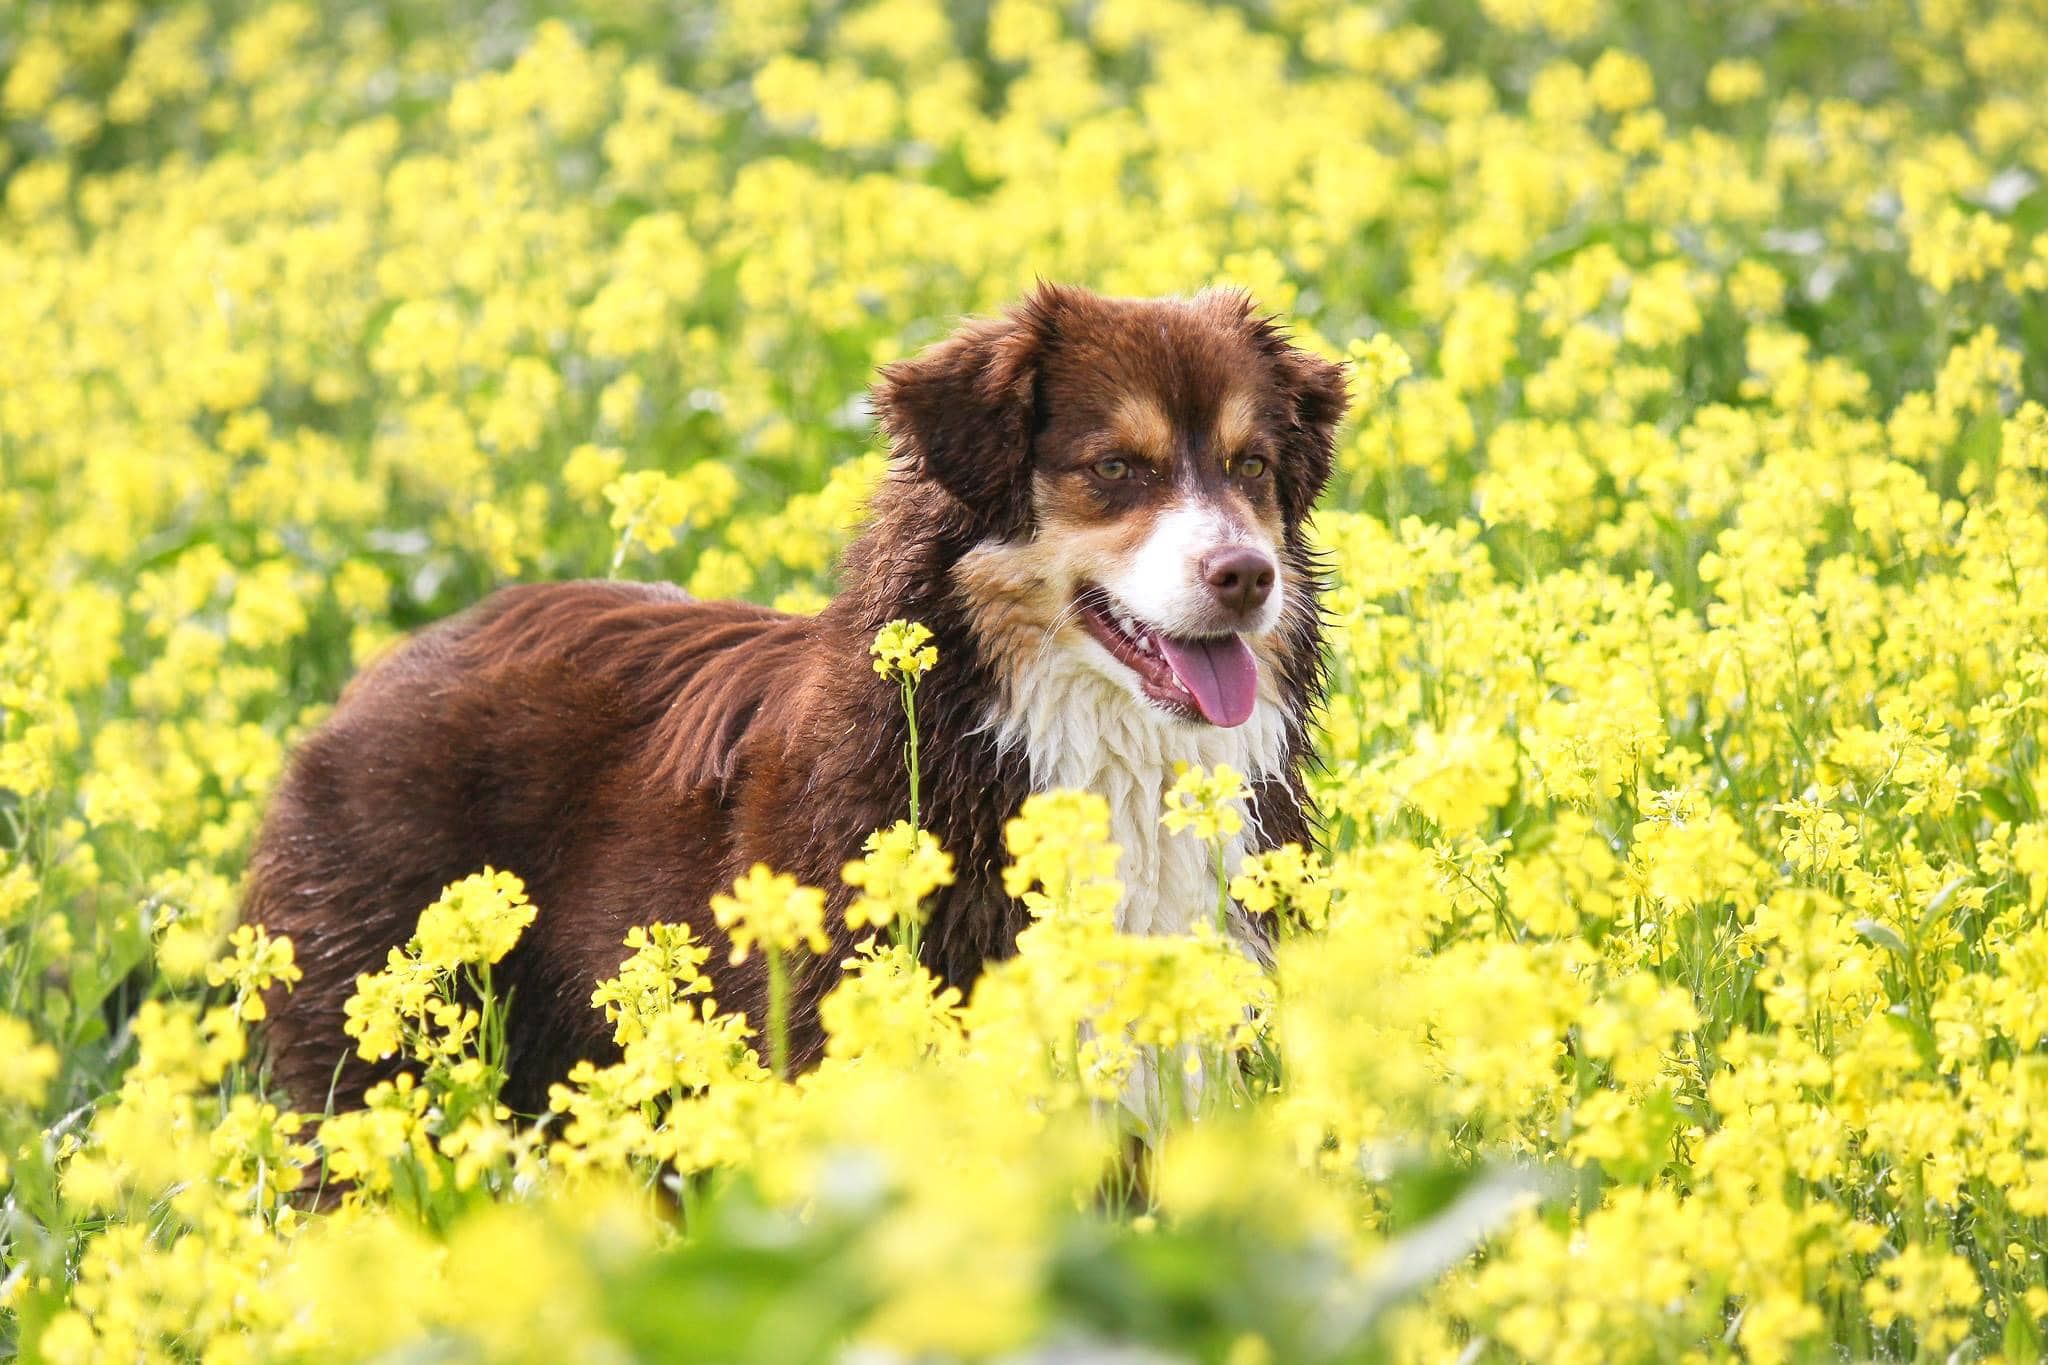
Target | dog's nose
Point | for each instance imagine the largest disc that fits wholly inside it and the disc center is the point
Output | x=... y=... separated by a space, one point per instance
x=1239 y=577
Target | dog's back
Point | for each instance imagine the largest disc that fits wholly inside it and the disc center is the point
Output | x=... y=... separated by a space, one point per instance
x=517 y=735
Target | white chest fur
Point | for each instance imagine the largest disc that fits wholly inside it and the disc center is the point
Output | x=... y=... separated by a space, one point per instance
x=1083 y=730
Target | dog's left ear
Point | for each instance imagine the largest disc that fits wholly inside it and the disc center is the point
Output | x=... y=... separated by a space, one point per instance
x=1319 y=394
x=1313 y=395
x=963 y=411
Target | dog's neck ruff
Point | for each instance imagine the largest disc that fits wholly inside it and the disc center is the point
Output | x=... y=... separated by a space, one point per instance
x=1081 y=729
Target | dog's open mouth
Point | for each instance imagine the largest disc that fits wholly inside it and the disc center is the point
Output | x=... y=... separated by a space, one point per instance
x=1212 y=677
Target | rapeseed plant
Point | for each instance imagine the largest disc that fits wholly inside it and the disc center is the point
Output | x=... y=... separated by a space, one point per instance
x=1684 y=857
x=903 y=652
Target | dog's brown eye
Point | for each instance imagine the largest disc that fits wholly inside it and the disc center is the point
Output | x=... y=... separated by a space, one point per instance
x=1250 y=467
x=1112 y=469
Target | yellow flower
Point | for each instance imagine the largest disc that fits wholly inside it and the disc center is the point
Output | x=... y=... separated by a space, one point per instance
x=475 y=922
x=2025 y=437
x=1621 y=81
x=269 y=606
x=1931 y=1289
x=183 y=1046
x=1287 y=879
x=478 y=1146
x=771 y=909
x=665 y=966
x=903 y=650
x=1733 y=80
x=28 y=1065
x=18 y=890
x=1061 y=859
x=1377 y=364
x=1208 y=802
x=380 y=1010
x=1456 y=778
x=648 y=506
x=889 y=1009
x=257 y=961
x=1816 y=839
x=902 y=866
x=69 y=1338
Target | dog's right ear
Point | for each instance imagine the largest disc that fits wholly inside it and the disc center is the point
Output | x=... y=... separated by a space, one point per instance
x=962 y=411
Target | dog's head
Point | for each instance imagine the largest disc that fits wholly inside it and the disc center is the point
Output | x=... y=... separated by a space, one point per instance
x=1137 y=472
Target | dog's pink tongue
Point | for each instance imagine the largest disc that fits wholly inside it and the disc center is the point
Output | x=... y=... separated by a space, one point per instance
x=1221 y=674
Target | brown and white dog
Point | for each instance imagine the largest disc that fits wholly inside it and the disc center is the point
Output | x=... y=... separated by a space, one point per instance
x=1095 y=504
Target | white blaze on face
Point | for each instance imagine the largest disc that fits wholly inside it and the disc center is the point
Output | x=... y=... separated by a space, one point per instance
x=1162 y=582
x=1080 y=717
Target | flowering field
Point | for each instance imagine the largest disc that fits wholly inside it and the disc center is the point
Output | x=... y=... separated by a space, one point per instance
x=1674 y=981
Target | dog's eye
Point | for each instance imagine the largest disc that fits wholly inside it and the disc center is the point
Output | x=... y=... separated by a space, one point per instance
x=1112 y=469
x=1250 y=467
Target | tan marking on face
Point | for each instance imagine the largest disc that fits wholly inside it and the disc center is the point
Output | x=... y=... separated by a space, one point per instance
x=1017 y=591
x=1237 y=417
x=1010 y=596
x=1142 y=427
x=1066 y=510
x=1075 y=543
x=1014 y=599
x=1266 y=516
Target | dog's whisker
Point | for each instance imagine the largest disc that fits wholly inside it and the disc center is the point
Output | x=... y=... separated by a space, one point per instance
x=1045 y=640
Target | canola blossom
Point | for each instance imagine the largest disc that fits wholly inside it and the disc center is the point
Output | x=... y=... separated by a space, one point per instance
x=1672 y=980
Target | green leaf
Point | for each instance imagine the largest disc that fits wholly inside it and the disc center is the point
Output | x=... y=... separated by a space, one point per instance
x=1883 y=935
x=1939 y=900
x=1418 y=1192
x=1922 y=1037
x=2022 y=1344
x=751 y=1287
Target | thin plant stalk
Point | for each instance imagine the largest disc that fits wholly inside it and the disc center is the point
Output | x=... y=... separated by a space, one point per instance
x=912 y=930
x=1222 y=888
x=778 y=1013
x=910 y=749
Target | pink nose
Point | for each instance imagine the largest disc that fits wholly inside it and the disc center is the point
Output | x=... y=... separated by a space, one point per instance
x=1239 y=577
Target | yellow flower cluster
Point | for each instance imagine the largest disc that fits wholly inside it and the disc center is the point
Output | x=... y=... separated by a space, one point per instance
x=770 y=909
x=1678 y=924
x=1209 y=803
x=901 y=867
x=475 y=922
x=903 y=650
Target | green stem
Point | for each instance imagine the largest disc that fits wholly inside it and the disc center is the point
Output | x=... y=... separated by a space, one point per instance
x=1222 y=889
x=778 y=1013
x=625 y=544
x=489 y=1044
x=911 y=930
x=910 y=716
